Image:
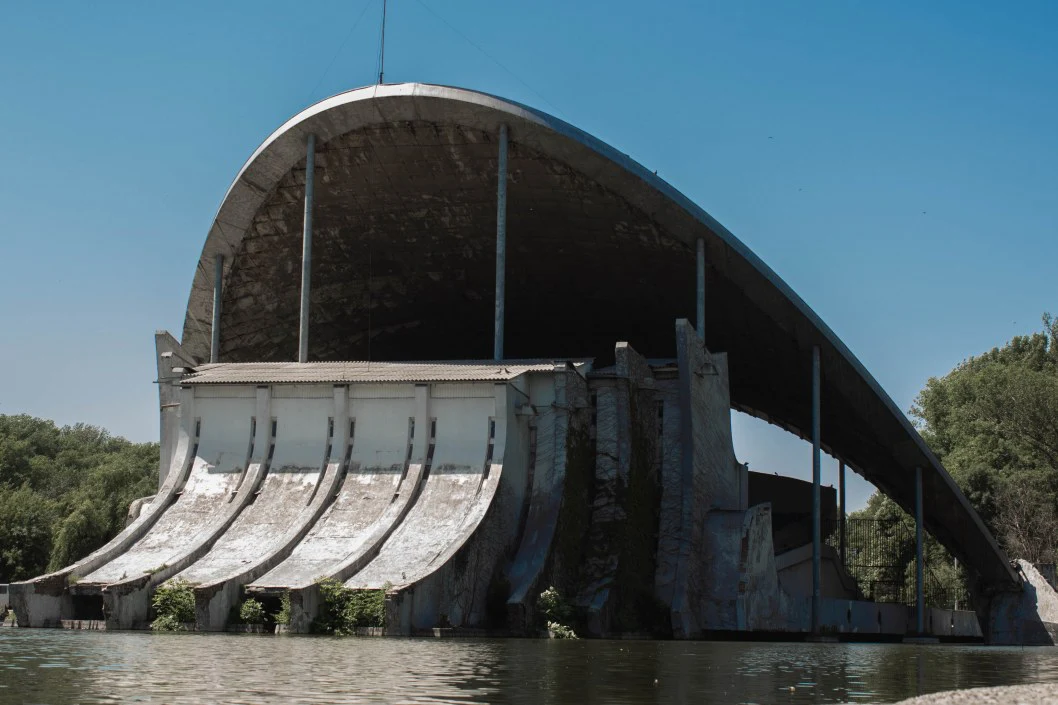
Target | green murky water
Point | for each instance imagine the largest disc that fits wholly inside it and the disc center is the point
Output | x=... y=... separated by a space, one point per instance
x=51 y=666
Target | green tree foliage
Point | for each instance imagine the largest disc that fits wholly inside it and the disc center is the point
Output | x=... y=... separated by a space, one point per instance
x=64 y=491
x=343 y=610
x=993 y=421
x=174 y=606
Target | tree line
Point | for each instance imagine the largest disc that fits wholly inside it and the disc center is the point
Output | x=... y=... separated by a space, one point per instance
x=993 y=423
x=64 y=491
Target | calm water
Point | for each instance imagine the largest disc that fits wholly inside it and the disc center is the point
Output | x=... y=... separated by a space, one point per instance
x=50 y=666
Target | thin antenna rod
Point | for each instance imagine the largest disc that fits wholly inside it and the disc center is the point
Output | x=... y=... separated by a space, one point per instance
x=382 y=49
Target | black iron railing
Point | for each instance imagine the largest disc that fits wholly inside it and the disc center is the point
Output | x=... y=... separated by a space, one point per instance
x=880 y=555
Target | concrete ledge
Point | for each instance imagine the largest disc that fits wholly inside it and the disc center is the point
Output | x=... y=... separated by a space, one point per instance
x=921 y=640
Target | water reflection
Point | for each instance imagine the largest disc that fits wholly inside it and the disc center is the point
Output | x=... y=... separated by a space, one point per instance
x=49 y=666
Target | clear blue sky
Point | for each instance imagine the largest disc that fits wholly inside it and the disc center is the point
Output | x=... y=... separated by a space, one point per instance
x=896 y=162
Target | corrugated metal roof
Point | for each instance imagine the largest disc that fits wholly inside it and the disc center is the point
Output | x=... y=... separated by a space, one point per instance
x=361 y=371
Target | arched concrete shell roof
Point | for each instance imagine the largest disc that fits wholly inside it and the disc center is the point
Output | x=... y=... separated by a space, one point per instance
x=766 y=328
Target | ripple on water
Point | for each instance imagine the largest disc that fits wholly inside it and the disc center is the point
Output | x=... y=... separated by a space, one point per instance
x=92 y=667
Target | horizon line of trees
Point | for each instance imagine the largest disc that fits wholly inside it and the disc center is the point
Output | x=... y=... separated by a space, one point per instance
x=64 y=491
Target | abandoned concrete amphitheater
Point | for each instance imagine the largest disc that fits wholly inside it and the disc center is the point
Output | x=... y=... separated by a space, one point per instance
x=449 y=347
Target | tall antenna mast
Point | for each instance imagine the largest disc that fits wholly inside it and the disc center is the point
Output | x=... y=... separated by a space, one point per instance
x=382 y=48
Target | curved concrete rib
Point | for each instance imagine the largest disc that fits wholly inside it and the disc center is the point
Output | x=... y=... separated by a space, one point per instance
x=213 y=496
x=454 y=494
x=553 y=434
x=292 y=496
x=372 y=500
x=40 y=602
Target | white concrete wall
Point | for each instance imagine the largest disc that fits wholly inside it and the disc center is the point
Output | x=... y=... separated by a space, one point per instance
x=368 y=503
x=217 y=470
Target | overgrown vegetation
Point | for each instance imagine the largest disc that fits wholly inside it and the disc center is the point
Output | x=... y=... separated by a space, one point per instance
x=557 y=613
x=64 y=492
x=343 y=610
x=283 y=615
x=174 y=606
x=993 y=422
x=252 y=612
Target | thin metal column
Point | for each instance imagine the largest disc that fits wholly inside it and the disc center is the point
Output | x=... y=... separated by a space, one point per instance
x=218 y=295
x=920 y=597
x=842 y=544
x=501 y=243
x=701 y=289
x=816 y=472
x=306 y=250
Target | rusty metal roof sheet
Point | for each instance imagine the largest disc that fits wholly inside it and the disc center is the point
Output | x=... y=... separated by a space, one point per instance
x=362 y=371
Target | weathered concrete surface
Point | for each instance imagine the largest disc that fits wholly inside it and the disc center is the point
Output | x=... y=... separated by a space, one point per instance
x=220 y=485
x=467 y=586
x=170 y=356
x=618 y=573
x=742 y=592
x=1028 y=616
x=462 y=482
x=43 y=601
x=795 y=573
x=710 y=478
x=556 y=423
x=311 y=424
x=388 y=455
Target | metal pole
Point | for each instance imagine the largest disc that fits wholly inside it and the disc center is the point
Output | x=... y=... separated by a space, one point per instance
x=920 y=597
x=816 y=508
x=501 y=243
x=218 y=284
x=306 y=250
x=701 y=289
x=842 y=544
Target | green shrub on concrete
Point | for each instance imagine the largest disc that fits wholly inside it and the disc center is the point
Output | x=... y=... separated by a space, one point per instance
x=174 y=606
x=252 y=612
x=561 y=631
x=283 y=615
x=343 y=610
x=556 y=612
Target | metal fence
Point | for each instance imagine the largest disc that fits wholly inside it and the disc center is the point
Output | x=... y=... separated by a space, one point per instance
x=880 y=555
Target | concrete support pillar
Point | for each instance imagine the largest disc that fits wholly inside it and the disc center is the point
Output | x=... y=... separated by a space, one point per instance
x=218 y=293
x=920 y=597
x=701 y=289
x=816 y=504
x=842 y=540
x=306 y=250
x=501 y=244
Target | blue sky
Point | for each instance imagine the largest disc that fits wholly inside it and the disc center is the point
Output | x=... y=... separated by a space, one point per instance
x=896 y=163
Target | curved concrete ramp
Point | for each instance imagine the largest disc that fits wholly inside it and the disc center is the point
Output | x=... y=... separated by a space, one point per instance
x=460 y=482
x=300 y=481
x=216 y=472
x=374 y=496
x=41 y=602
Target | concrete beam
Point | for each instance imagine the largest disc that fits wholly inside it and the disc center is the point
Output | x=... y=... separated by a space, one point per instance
x=501 y=243
x=306 y=250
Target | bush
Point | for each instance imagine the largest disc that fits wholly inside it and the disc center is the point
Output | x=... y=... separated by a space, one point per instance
x=174 y=605
x=561 y=631
x=556 y=612
x=283 y=615
x=553 y=606
x=251 y=612
x=343 y=610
